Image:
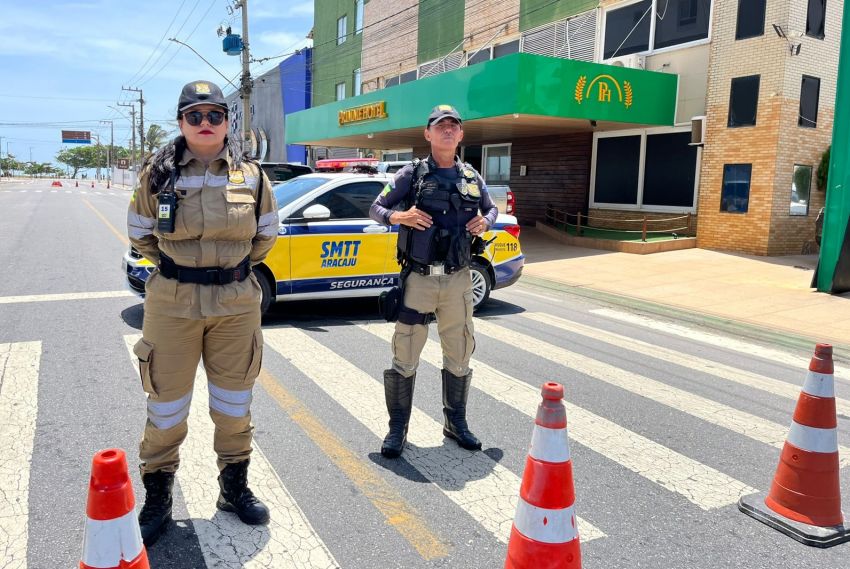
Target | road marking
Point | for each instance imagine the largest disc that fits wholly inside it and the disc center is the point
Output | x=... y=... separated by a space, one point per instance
x=287 y=541
x=729 y=373
x=83 y=192
x=384 y=497
x=483 y=488
x=19 y=366
x=65 y=296
x=53 y=191
x=700 y=484
x=67 y=191
x=741 y=346
x=38 y=191
x=710 y=411
x=121 y=237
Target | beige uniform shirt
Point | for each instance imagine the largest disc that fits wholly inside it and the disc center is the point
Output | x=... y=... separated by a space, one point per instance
x=215 y=226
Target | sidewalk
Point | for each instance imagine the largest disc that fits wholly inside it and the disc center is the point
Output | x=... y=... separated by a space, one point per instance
x=768 y=292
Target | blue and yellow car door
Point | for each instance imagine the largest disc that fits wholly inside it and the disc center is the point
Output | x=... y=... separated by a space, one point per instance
x=345 y=252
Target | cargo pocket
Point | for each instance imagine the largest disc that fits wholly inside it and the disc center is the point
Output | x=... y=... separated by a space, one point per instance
x=468 y=329
x=256 y=357
x=240 y=211
x=144 y=351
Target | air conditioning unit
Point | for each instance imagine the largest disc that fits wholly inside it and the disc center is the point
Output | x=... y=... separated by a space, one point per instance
x=632 y=61
x=697 y=131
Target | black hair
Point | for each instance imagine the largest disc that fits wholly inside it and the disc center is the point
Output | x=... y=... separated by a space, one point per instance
x=166 y=161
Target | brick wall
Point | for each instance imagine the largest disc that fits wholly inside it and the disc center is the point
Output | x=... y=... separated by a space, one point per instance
x=389 y=46
x=484 y=23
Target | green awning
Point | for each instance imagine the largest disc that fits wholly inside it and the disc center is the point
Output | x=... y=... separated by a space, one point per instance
x=510 y=97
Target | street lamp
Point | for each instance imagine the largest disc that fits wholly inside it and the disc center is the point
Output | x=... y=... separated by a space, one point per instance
x=109 y=152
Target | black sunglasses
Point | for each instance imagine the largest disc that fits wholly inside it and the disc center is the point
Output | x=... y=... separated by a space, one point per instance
x=195 y=118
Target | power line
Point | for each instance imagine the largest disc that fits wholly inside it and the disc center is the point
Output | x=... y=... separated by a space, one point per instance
x=162 y=37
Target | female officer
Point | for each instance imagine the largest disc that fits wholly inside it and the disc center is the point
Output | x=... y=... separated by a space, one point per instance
x=204 y=217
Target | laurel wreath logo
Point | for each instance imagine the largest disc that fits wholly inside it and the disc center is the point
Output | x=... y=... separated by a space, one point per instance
x=627 y=87
x=579 y=95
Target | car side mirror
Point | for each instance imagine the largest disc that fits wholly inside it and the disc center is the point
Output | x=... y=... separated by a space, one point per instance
x=317 y=211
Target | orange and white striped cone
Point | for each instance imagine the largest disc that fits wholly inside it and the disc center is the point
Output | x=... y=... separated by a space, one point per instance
x=804 y=500
x=544 y=534
x=112 y=539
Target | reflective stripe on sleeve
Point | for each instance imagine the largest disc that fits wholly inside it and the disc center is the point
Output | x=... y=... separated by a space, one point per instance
x=233 y=403
x=165 y=415
x=547 y=526
x=813 y=439
x=819 y=384
x=109 y=542
x=268 y=224
x=139 y=226
x=549 y=445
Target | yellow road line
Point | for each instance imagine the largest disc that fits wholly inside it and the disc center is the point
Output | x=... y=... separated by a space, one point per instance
x=387 y=500
x=121 y=237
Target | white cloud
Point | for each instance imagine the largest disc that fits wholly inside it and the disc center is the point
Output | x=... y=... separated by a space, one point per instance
x=264 y=10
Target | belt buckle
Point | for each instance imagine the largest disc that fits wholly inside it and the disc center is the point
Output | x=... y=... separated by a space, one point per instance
x=212 y=276
x=436 y=270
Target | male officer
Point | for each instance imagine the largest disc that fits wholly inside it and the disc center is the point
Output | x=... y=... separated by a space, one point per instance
x=442 y=201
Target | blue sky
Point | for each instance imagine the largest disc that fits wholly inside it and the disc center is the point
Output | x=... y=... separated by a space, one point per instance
x=66 y=61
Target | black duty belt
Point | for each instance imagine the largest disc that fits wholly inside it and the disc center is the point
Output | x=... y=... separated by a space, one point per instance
x=204 y=275
x=433 y=270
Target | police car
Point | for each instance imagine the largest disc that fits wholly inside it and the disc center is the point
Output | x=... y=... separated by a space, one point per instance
x=328 y=247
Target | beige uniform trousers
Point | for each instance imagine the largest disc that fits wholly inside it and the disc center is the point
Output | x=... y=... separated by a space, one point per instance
x=169 y=352
x=450 y=298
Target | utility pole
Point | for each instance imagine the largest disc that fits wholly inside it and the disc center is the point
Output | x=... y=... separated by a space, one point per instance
x=246 y=77
x=109 y=152
x=133 y=134
x=141 y=118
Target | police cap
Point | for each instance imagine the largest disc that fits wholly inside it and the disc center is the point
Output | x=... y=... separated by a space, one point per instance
x=441 y=112
x=200 y=93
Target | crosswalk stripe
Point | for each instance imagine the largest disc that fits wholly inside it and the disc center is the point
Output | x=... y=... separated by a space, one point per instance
x=65 y=296
x=383 y=496
x=710 y=411
x=287 y=541
x=19 y=366
x=700 y=484
x=742 y=377
x=483 y=488
x=716 y=340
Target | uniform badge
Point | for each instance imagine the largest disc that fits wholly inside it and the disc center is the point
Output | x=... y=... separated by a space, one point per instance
x=463 y=188
x=473 y=190
x=202 y=88
x=236 y=177
x=468 y=174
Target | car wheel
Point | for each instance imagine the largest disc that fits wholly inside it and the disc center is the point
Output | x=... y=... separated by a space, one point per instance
x=481 y=284
x=266 y=288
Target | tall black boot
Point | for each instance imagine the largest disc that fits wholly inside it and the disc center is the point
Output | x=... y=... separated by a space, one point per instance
x=236 y=497
x=455 y=393
x=156 y=513
x=398 y=391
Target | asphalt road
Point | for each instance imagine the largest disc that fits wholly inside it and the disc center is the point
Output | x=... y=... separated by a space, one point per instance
x=670 y=422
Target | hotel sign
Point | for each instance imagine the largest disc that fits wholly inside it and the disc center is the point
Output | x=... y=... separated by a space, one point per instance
x=601 y=88
x=372 y=111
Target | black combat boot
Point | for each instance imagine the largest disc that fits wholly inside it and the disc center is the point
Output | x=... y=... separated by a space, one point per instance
x=455 y=393
x=235 y=496
x=398 y=391
x=156 y=513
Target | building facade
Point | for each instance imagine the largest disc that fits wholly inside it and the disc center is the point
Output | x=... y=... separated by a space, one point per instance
x=617 y=110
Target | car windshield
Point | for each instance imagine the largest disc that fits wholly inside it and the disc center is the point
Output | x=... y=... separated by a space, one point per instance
x=291 y=190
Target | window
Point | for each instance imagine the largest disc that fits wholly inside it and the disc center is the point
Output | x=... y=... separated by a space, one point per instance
x=480 y=56
x=735 y=196
x=573 y=38
x=669 y=170
x=391 y=81
x=815 y=18
x=627 y=29
x=356 y=86
x=340 y=91
x=351 y=201
x=750 y=19
x=809 y=95
x=681 y=21
x=358 y=16
x=743 y=101
x=800 y=187
x=617 y=185
x=407 y=77
x=341 y=25
x=505 y=49
x=497 y=164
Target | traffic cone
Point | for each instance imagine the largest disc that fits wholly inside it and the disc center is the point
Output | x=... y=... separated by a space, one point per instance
x=92 y=184
x=77 y=184
x=112 y=539
x=56 y=184
x=804 y=501
x=544 y=534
